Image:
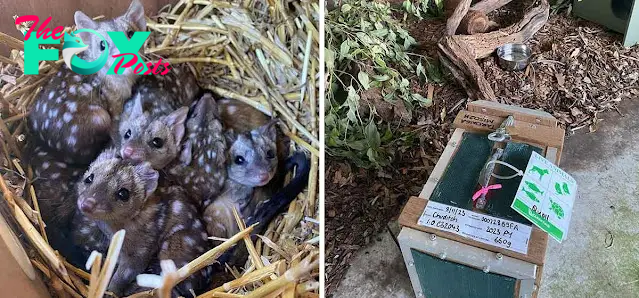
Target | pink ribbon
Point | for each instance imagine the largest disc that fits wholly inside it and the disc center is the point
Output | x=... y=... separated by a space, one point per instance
x=484 y=190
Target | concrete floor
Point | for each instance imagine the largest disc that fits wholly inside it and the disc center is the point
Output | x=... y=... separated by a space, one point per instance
x=606 y=167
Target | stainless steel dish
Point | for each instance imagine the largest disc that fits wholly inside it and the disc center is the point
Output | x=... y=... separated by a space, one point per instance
x=514 y=56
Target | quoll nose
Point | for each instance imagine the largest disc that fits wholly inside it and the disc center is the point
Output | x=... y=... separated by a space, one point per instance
x=87 y=205
x=127 y=151
x=263 y=177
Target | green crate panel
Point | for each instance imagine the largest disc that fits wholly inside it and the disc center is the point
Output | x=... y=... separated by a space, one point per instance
x=443 y=279
x=459 y=181
x=516 y=154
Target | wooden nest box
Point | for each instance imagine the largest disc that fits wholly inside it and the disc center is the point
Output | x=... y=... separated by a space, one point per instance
x=460 y=250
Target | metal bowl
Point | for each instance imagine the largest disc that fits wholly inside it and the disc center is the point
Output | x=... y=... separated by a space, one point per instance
x=514 y=56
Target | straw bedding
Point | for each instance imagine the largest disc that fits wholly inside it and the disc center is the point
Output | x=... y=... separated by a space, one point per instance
x=263 y=53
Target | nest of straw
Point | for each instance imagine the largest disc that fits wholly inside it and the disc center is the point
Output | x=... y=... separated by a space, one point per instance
x=263 y=53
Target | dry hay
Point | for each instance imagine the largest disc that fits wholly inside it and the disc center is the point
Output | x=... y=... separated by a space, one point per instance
x=264 y=53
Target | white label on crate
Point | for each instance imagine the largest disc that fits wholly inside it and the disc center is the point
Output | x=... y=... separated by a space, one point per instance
x=479 y=227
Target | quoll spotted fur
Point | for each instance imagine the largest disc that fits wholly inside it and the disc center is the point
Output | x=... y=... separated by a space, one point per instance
x=54 y=184
x=164 y=93
x=160 y=224
x=73 y=113
x=200 y=168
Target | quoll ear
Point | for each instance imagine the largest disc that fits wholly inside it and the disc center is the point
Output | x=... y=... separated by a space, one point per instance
x=148 y=176
x=175 y=122
x=269 y=129
x=107 y=154
x=230 y=136
x=135 y=15
x=201 y=108
x=82 y=21
x=137 y=110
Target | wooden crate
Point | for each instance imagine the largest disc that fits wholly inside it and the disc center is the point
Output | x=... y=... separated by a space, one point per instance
x=18 y=278
x=443 y=264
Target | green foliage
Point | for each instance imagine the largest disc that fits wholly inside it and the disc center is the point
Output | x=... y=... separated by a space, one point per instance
x=423 y=8
x=557 y=6
x=368 y=51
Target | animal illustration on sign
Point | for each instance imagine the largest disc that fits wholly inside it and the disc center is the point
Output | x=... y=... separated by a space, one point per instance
x=539 y=171
x=531 y=195
x=532 y=186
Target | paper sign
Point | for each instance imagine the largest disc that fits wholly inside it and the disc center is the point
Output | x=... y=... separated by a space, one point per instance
x=479 y=227
x=545 y=196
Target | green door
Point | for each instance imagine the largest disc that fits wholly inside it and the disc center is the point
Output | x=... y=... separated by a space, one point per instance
x=443 y=279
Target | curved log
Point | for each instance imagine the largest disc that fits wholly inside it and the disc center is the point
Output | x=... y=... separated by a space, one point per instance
x=458 y=53
x=476 y=22
x=487 y=6
x=460 y=12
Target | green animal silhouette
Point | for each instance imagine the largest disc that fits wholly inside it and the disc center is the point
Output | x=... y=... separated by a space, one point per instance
x=562 y=189
x=557 y=209
x=531 y=195
x=534 y=187
x=539 y=171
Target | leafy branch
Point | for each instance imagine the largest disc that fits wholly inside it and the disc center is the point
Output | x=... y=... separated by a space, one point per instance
x=369 y=61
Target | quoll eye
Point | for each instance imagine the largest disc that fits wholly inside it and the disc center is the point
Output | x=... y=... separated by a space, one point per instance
x=102 y=45
x=239 y=160
x=270 y=154
x=88 y=179
x=157 y=143
x=127 y=134
x=123 y=194
x=129 y=34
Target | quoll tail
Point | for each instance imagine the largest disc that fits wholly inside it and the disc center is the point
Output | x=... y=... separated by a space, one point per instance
x=286 y=195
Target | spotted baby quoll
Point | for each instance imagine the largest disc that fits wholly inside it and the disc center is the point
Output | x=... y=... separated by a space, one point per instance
x=160 y=224
x=252 y=163
x=73 y=113
x=200 y=168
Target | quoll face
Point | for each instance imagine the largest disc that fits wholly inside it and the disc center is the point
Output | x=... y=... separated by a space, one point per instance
x=113 y=188
x=253 y=158
x=156 y=141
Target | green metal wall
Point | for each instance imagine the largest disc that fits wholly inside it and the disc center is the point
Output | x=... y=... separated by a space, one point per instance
x=443 y=279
